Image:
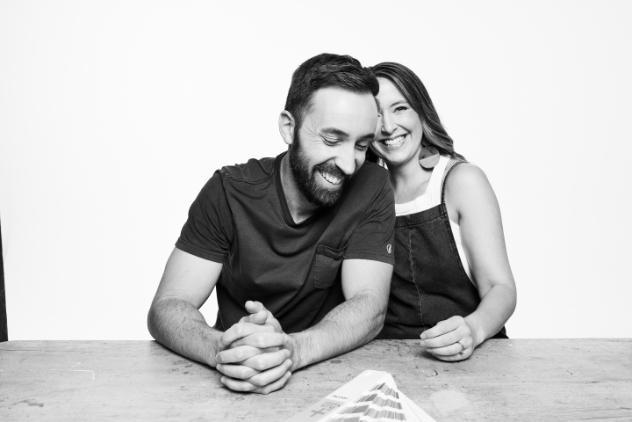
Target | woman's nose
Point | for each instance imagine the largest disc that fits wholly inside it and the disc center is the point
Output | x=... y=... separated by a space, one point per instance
x=386 y=124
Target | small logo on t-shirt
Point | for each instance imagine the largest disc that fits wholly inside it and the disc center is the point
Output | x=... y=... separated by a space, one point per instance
x=389 y=248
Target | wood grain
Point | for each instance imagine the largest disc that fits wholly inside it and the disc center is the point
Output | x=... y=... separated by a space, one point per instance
x=505 y=380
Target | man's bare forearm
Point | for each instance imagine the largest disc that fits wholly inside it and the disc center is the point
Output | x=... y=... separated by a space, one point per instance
x=179 y=326
x=349 y=325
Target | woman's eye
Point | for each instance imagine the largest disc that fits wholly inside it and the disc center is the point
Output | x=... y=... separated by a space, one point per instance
x=400 y=108
x=361 y=147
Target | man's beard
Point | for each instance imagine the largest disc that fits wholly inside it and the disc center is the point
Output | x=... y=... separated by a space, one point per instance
x=306 y=179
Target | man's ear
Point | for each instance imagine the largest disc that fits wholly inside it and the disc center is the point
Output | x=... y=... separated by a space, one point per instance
x=287 y=124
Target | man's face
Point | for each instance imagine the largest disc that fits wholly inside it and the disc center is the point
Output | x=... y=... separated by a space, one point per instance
x=330 y=146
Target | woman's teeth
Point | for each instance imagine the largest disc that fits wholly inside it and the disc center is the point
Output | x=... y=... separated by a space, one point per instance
x=394 y=142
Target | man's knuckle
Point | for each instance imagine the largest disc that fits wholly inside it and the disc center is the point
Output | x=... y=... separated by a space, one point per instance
x=225 y=338
x=244 y=353
x=258 y=364
x=244 y=373
x=244 y=386
x=231 y=371
x=260 y=341
x=257 y=381
x=287 y=376
x=248 y=372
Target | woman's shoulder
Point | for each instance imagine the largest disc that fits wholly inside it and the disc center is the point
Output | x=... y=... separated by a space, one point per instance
x=466 y=184
x=461 y=172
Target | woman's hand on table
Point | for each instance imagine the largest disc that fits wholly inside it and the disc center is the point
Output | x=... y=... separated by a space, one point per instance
x=450 y=340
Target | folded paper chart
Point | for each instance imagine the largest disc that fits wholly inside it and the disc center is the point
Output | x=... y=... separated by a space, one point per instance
x=371 y=396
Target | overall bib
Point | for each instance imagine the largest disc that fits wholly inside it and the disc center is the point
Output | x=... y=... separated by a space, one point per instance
x=429 y=283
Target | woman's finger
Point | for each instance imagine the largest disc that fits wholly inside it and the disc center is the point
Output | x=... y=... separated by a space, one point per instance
x=442 y=340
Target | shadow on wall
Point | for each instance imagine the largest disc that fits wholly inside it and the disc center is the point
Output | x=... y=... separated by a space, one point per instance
x=3 y=304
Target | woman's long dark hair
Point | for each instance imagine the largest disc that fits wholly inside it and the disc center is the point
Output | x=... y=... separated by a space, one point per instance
x=415 y=93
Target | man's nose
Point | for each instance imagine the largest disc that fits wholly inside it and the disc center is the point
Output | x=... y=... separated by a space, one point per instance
x=386 y=124
x=346 y=160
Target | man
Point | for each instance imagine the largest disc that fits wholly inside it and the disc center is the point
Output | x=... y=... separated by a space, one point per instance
x=299 y=246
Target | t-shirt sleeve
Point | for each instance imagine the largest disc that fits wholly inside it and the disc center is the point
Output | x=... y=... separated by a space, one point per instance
x=373 y=237
x=207 y=232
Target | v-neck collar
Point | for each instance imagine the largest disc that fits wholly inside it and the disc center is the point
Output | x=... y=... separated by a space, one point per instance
x=287 y=215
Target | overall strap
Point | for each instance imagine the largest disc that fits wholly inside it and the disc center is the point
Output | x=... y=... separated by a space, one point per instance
x=433 y=190
x=451 y=165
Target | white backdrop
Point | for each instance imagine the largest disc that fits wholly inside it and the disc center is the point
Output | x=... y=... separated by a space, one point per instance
x=113 y=114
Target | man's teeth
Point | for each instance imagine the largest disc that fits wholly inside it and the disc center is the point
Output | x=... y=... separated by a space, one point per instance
x=331 y=178
x=396 y=141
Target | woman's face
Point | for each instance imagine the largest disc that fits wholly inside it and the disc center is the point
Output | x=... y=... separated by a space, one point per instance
x=398 y=133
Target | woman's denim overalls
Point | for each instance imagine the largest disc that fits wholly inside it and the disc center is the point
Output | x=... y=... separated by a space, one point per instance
x=429 y=283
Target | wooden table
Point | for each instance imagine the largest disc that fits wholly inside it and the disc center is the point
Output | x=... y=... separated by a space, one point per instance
x=505 y=380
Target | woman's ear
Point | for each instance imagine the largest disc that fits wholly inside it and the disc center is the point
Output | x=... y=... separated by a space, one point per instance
x=287 y=125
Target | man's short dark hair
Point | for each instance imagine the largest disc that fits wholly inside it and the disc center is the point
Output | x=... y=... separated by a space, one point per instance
x=327 y=70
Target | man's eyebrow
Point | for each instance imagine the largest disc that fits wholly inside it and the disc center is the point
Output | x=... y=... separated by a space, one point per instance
x=368 y=137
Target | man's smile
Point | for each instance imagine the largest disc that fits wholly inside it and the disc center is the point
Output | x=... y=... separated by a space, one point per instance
x=331 y=178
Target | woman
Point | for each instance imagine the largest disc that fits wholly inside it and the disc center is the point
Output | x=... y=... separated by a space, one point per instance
x=452 y=285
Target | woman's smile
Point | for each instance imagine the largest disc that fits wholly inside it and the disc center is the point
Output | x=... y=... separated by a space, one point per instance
x=393 y=142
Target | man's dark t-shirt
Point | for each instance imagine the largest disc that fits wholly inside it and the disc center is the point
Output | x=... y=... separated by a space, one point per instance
x=241 y=219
